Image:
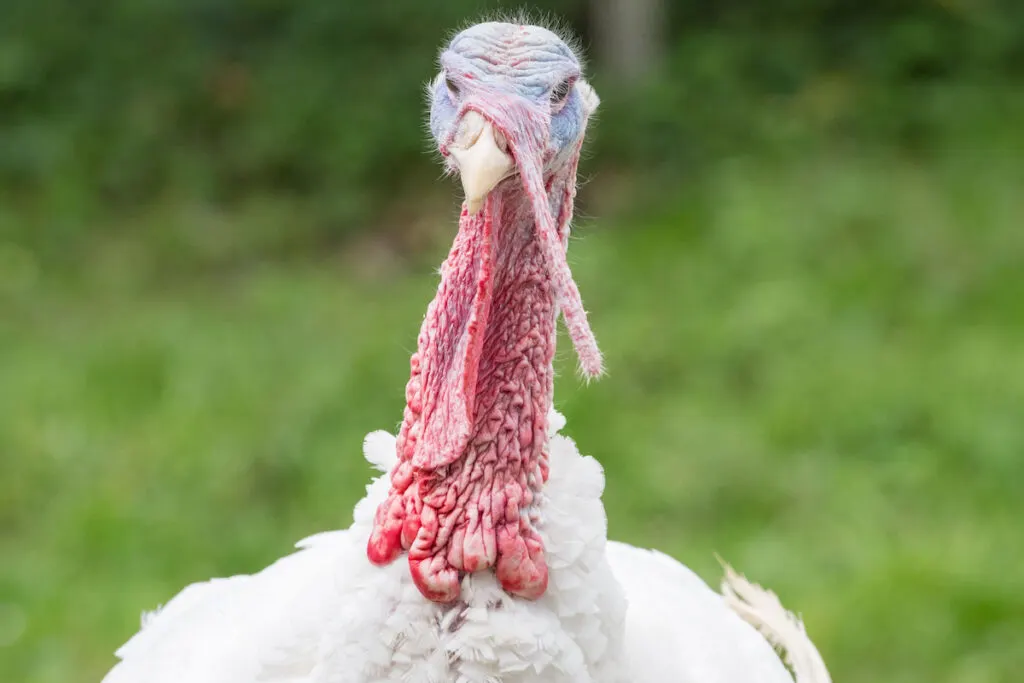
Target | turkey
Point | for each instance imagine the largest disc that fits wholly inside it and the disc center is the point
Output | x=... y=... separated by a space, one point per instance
x=480 y=554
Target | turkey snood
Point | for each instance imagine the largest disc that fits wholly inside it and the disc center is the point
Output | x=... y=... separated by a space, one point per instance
x=472 y=448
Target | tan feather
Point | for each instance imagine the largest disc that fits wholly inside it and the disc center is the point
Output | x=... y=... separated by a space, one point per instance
x=784 y=630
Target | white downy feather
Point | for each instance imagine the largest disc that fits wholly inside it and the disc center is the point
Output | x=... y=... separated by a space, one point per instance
x=326 y=615
x=762 y=609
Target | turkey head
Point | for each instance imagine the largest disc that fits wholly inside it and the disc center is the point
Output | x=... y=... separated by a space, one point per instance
x=508 y=113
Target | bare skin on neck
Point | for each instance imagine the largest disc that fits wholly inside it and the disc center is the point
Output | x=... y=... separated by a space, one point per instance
x=472 y=448
x=466 y=509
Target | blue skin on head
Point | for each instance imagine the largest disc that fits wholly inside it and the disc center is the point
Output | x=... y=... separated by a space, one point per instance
x=495 y=61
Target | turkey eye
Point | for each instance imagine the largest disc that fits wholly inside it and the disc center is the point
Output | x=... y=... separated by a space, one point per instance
x=453 y=88
x=560 y=92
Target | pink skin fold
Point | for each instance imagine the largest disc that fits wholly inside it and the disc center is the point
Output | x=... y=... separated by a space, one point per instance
x=472 y=449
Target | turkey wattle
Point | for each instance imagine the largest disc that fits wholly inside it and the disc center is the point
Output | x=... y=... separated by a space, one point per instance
x=510 y=576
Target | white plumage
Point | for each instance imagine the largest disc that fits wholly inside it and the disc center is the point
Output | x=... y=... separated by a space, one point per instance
x=612 y=613
x=464 y=500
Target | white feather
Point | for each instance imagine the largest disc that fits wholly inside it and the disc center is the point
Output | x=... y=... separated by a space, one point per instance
x=326 y=615
x=679 y=630
x=762 y=609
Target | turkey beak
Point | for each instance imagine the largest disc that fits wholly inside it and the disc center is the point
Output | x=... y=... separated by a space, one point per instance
x=481 y=153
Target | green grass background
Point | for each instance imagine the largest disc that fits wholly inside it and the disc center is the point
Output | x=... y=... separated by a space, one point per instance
x=816 y=371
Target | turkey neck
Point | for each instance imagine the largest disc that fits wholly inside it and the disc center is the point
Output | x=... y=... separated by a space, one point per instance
x=472 y=448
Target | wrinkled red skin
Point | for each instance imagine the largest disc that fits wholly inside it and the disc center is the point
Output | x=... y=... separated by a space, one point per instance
x=472 y=513
x=472 y=449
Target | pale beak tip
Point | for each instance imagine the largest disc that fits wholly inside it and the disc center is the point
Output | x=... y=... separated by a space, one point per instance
x=482 y=163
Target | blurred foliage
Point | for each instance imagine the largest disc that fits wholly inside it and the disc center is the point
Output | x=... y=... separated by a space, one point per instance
x=806 y=282
x=816 y=370
x=108 y=105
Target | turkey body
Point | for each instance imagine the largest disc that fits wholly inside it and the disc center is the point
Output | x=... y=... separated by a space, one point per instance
x=612 y=613
x=678 y=629
x=482 y=500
